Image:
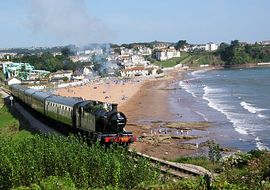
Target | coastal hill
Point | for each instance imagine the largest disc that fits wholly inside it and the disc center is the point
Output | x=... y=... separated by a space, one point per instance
x=227 y=55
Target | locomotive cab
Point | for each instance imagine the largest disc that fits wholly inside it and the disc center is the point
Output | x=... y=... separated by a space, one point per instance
x=104 y=120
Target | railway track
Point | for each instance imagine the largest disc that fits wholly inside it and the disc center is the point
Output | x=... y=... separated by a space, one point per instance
x=5 y=90
x=177 y=170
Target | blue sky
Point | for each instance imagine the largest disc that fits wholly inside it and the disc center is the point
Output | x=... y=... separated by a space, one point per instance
x=27 y=23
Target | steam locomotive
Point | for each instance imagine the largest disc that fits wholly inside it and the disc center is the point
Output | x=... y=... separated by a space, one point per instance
x=98 y=120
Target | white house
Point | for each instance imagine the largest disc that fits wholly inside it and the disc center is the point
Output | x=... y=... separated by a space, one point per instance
x=86 y=71
x=211 y=46
x=14 y=80
x=62 y=74
x=145 y=51
x=168 y=53
x=138 y=71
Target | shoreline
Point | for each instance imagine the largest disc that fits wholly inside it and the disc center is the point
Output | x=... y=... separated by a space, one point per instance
x=161 y=132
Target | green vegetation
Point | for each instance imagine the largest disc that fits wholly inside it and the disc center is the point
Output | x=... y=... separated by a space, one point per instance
x=36 y=159
x=37 y=162
x=180 y=44
x=194 y=59
x=174 y=61
x=47 y=61
x=239 y=171
x=237 y=53
x=9 y=125
x=227 y=55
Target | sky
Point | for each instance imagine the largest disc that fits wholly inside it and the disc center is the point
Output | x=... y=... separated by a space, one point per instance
x=26 y=23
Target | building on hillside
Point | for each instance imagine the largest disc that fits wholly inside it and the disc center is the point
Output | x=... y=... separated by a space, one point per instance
x=56 y=54
x=144 y=51
x=61 y=75
x=136 y=59
x=13 y=80
x=88 y=71
x=168 y=53
x=24 y=71
x=7 y=56
x=81 y=58
x=264 y=43
x=211 y=46
x=138 y=71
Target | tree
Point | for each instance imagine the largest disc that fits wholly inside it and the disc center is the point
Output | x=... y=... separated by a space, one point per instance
x=235 y=43
x=66 y=52
x=180 y=44
x=117 y=51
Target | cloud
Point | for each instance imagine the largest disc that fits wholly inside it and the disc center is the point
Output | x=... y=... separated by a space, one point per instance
x=66 y=20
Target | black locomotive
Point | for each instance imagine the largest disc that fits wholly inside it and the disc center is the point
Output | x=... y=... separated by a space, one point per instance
x=98 y=120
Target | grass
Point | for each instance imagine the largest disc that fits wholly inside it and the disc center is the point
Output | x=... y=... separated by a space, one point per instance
x=192 y=60
x=199 y=161
x=174 y=61
x=9 y=125
x=6 y=118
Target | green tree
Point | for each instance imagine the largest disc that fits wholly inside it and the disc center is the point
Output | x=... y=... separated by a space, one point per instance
x=180 y=44
x=66 y=52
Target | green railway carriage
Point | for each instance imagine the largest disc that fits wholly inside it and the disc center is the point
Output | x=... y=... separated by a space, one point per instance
x=28 y=96
x=60 y=108
x=38 y=101
x=18 y=92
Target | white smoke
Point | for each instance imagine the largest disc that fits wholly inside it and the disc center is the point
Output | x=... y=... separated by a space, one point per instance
x=66 y=20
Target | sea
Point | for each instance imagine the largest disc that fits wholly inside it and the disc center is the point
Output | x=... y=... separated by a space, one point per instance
x=235 y=101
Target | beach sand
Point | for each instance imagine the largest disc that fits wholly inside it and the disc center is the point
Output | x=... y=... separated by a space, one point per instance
x=110 y=90
x=145 y=103
x=148 y=110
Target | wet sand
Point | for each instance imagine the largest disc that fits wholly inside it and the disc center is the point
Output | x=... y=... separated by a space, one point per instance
x=149 y=114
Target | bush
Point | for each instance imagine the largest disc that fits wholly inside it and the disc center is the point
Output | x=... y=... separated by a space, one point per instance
x=36 y=158
x=251 y=171
x=237 y=160
x=214 y=153
x=51 y=183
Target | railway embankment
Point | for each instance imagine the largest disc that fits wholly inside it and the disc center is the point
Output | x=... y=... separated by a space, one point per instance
x=25 y=119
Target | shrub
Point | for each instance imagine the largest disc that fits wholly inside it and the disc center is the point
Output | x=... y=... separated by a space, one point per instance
x=214 y=152
x=251 y=171
x=237 y=160
x=36 y=158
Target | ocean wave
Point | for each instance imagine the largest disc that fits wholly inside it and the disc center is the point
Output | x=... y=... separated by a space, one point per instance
x=196 y=73
x=252 y=109
x=262 y=116
x=241 y=130
x=236 y=119
x=261 y=146
x=187 y=87
x=212 y=91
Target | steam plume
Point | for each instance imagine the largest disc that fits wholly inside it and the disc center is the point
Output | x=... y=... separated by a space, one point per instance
x=66 y=20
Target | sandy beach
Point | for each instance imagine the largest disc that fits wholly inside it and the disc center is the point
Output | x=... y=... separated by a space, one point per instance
x=145 y=103
x=107 y=90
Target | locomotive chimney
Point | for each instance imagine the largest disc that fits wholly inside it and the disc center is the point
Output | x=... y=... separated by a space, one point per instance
x=114 y=107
